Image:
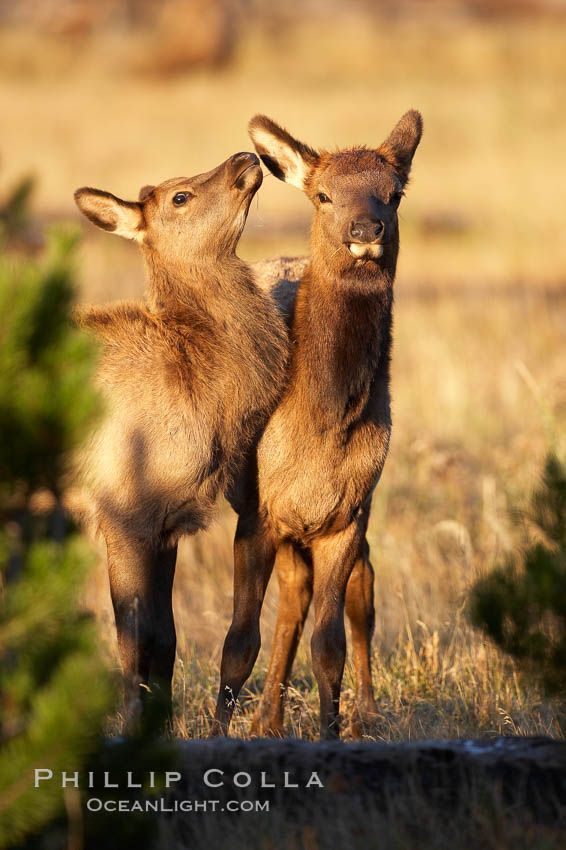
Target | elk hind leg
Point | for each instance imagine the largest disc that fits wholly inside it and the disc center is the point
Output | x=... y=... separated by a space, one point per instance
x=361 y=614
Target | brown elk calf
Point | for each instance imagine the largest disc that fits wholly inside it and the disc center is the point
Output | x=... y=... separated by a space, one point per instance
x=188 y=380
x=306 y=496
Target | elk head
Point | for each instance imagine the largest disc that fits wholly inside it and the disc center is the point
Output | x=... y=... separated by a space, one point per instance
x=185 y=219
x=356 y=192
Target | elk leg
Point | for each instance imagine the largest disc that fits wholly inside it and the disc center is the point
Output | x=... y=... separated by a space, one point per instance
x=334 y=557
x=254 y=554
x=294 y=575
x=130 y=569
x=165 y=639
x=361 y=614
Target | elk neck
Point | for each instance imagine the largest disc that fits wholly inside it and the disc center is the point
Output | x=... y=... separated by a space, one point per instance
x=217 y=303
x=341 y=335
x=195 y=283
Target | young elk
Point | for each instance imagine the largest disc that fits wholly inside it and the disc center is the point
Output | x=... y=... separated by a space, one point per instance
x=306 y=496
x=189 y=378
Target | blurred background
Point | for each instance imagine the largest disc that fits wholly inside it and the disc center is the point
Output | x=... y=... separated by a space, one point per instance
x=121 y=93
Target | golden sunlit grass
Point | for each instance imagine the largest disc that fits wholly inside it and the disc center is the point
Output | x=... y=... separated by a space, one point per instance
x=479 y=386
x=478 y=390
x=488 y=199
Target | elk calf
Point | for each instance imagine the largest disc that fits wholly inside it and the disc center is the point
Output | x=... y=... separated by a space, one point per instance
x=307 y=493
x=188 y=378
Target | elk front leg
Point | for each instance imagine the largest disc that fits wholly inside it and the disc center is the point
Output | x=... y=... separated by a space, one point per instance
x=294 y=575
x=254 y=554
x=130 y=570
x=165 y=639
x=361 y=614
x=334 y=557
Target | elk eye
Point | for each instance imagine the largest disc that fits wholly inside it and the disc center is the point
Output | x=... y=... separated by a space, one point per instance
x=324 y=199
x=180 y=198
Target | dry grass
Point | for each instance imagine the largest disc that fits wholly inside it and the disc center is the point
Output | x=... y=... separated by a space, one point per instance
x=489 y=194
x=479 y=389
x=479 y=384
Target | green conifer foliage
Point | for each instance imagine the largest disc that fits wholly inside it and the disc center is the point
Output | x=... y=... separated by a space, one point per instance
x=521 y=605
x=15 y=216
x=54 y=689
x=46 y=401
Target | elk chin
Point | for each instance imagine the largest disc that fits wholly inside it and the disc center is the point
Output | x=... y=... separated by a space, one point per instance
x=365 y=251
x=235 y=230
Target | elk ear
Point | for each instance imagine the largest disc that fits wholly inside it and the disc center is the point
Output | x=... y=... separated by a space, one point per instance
x=399 y=148
x=145 y=192
x=111 y=213
x=286 y=158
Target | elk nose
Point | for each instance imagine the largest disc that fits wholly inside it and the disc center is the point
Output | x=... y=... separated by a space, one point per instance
x=366 y=231
x=243 y=156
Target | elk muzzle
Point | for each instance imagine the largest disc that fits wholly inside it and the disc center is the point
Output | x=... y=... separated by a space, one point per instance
x=246 y=171
x=364 y=238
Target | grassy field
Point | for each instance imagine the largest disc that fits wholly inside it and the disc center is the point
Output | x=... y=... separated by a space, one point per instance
x=479 y=395
x=488 y=199
x=479 y=383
